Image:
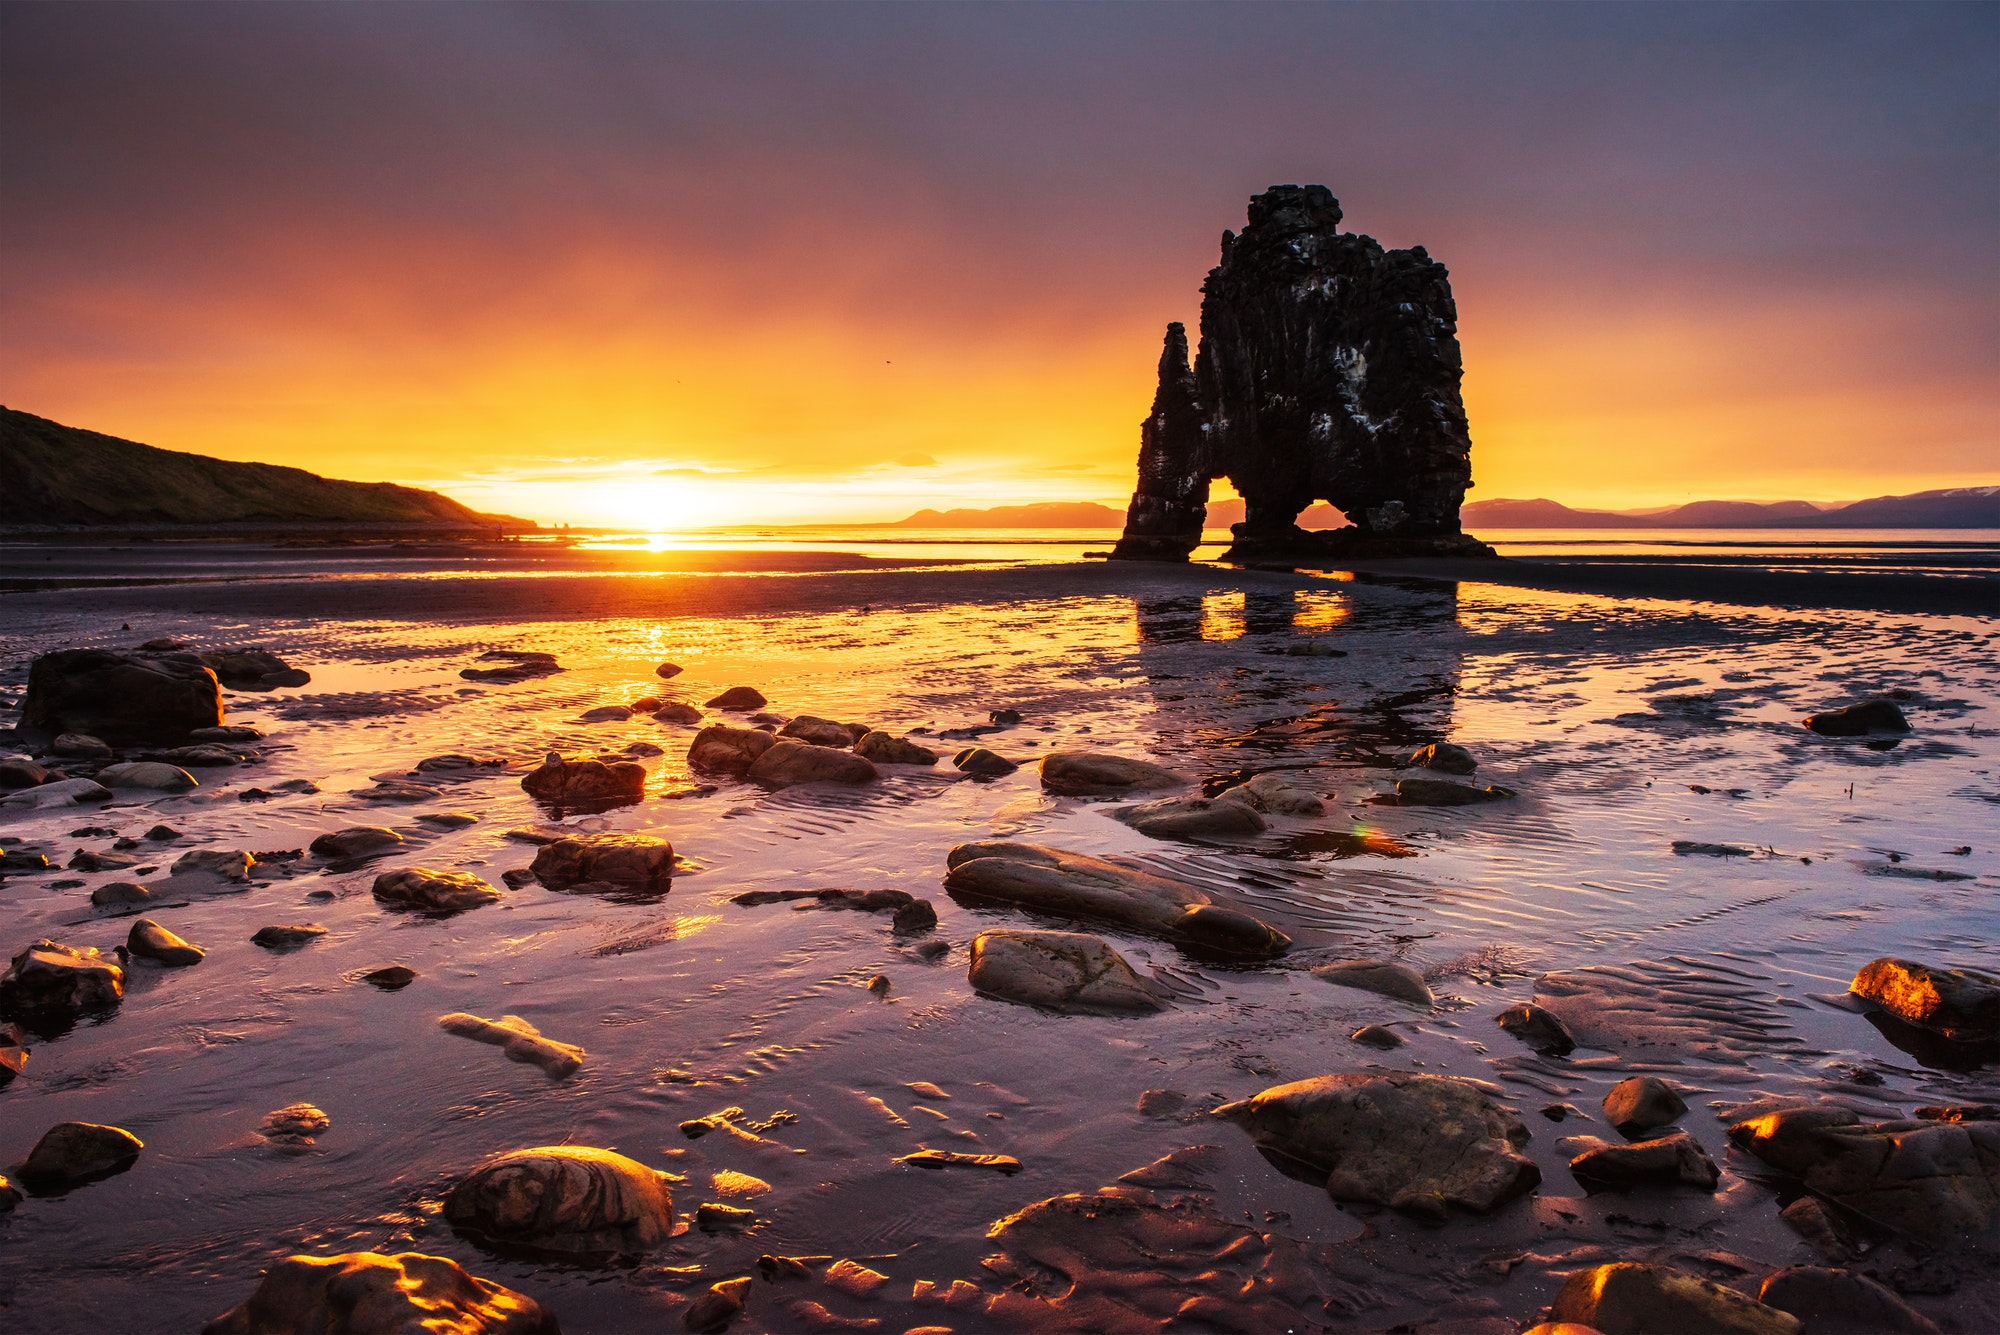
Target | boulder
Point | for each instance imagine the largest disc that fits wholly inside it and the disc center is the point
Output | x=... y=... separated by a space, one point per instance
x=1096 y=774
x=1961 y=1004
x=148 y=940
x=1192 y=818
x=725 y=750
x=21 y=773
x=786 y=763
x=982 y=763
x=56 y=793
x=454 y=762
x=13 y=1055
x=55 y=979
x=633 y=860
x=287 y=935
x=718 y=1307
x=204 y=755
x=125 y=699
x=1642 y=1102
x=79 y=746
x=1930 y=1180
x=370 y=1293
x=356 y=841
x=1447 y=757
x=575 y=783
x=1439 y=793
x=676 y=711
x=1859 y=720
x=883 y=749
x=1383 y=976
x=295 y=1124
x=1059 y=971
x=1074 y=885
x=739 y=699
x=120 y=892
x=1540 y=1029
x=1840 y=1302
x=431 y=891
x=1668 y=1161
x=73 y=1153
x=149 y=774
x=823 y=731
x=1416 y=1143
x=564 y=1200
x=1275 y=795
x=607 y=714
x=1631 y=1299
x=521 y=1041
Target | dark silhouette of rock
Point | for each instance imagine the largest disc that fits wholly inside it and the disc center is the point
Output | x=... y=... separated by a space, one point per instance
x=73 y=1153
x=884 y=749
x=1329 y=370
x=634 y=861
x=1869 y=716
x=123 y=699
x=578 y=783
x=149 y=940
x=368 y=1293
x=252 y=669
x=739 y=698
x=431 y=891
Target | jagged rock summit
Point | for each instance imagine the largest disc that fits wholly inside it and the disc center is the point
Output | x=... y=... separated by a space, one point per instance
x=1328 y=370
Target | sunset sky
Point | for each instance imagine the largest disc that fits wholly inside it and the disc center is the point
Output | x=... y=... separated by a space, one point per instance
x=674 y=264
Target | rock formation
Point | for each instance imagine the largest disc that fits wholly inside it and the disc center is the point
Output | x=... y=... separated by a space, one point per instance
x=1328 y=370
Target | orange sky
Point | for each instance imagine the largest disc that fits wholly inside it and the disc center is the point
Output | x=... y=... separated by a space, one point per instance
x=679 y=267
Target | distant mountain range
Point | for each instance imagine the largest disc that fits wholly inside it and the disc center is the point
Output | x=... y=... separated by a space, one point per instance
x=55 y=475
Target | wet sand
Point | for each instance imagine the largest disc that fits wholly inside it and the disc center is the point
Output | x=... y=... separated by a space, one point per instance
x=1624 y=725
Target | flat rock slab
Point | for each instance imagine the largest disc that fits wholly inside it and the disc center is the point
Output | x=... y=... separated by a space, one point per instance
x=1840 y=1302
x=521 y=1041
x=1098 y=774
x=1004 y=1164
x=1932 y=1180
x=1962 y=1005
x=1385 y=977
x=1445 y=757
x=369 y=1293
x=1277 y=795
x=1667 y=1010
x=564 y=1200
x=430 y=891
x=1060 y=971
x=1193 y=818
x=1631 y=1299
x=1075 y=885
x=1416 y=1143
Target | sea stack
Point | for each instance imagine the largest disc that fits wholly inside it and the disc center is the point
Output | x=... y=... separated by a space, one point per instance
x=1328 y=370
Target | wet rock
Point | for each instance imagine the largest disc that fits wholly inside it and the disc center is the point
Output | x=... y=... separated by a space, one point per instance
x=521 y=665
x=10 y=1195
x=883 y=749
x=125 y=699
x=56 y=793
x=1820 y=1225
x=163 y=834
x=29 y=862
x=854 y=1279
x=1417 y=1143
x=1448 y=757
x=18 y=774
x=1677 y=1159
x=1275 y=795
x=634 y=861
x=1840 y=1302
x=645 y=704
x=521 y=1041
x=150 y=774
x=564 y=1200
x=80 y=746
x=1004 y=1164
x=433 y=891
x=715 y=1217
x=287 y=935
x=1060 y=971
x=208 y=755
x=86 y=860
x=119 y=893
x=932 y=951
x=1930 y=1180
x=1439 y=793
x=1642 y=1102
x=1053 y=881
x=916 y=916
x=13 y=1055
x=571 y=783
x=356 y=841
x=227 y=732
x=982 y=763
x=823 y=731
x=1192 y=818
x=725 y=750
x=607 y=714
x=1961 y=1004
x=667 y=670
x=818 y=1319
x=676 y=711
x=51 y=978
x=454 y=762
x=369 y=1293
x=1631 y=1299
x=150 y=941
x=717 y=1308
x=73 y=1153
x=739 y=699
x=390 y=977
x=1859 y=720
x=1096 y=774
x=229 y=864
x=1377 y=1036
x=294 y=1126
x=1690 y=848
x=787 y=763
x=1187 y=1169
x=1381 y=976
x=644 y=749
x=1541 y=1030
x=252 y=669
x=448 y=820
x=879 y=984
x=1161 y=1102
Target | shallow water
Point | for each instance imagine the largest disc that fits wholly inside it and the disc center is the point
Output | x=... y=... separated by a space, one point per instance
x=1609 y=718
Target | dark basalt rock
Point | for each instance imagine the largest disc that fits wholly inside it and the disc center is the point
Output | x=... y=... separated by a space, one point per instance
x=252 y=669
x=1329 y=370
x=123 y=699
x=1859 y=720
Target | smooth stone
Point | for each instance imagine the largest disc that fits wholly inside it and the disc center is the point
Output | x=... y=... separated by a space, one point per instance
x=1004 y=1164
x=391 y=977
x=883 y=749
x=1060 y=971
x=1054 y=881
x=73 y=1153
x=1097 y=774
x=1187 y=1169
x=676 y=711
x=1440 y=793
x=227 y=732
x=787 y=763
x=85 y=859
x=10 y=1195
x=149 y=940
x=855 y=1279
x=521 y=665
x=56 y=793
x=286 y=936
x=718 y=1307
x=1192 y=818
x=1840 y=1302
x=564 y=1200
x=1416 y=1143
x=977 y=760
x=879 y=984
x=449 y=820
x=1642 y=1102
x=1677 y=1159
x=1161 y=1102
x=163 y=833
x=51 y=977
x=1960 y=1004
x=1273 y=794
x=356 y=841
x=607 y=714
x=124 y=699
x=1627 y=1298
x=823 y=731
x=1384 y=977
x=150 y=774
x=521 y=1041
x=666 y=670
x=635 y=860
x=229 y=864
x=1377 y=1036
x=645 y=704
x=725 y=750
x=563 y=782
x=715 y=1217
x=1447 y=757
x=370 y=1293
x=1858 y=720
x=455 y=762
x=1540 y=1029
x=433 y=891
x=252 y=669
x=1931 y=1180
x=18 y=774
x=739 y=699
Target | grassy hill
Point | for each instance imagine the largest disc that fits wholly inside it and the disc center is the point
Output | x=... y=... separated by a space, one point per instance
x=56 y=474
